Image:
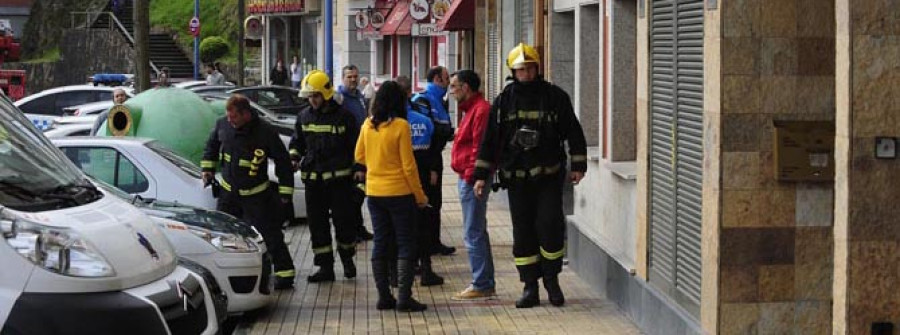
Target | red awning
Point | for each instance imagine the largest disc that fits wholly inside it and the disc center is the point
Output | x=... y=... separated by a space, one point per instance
x=399 y=22
x=461 y=16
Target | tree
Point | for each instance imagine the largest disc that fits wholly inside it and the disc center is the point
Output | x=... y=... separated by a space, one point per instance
x=213 y=48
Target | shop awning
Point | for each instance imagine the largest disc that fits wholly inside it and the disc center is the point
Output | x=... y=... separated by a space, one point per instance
x=461 y=16
x=399 y=22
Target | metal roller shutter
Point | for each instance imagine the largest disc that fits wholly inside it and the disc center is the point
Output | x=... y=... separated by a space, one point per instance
x=676 y=148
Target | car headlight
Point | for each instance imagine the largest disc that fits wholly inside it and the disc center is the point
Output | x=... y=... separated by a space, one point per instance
x=225 y=242
x=59 y=250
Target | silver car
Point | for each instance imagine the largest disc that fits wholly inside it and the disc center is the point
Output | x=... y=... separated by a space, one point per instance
x=145 y=167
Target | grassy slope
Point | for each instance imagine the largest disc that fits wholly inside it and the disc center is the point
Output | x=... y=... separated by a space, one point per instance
x=217 y=18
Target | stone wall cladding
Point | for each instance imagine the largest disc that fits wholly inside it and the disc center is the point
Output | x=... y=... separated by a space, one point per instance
x=776 y=242
x=872 y=235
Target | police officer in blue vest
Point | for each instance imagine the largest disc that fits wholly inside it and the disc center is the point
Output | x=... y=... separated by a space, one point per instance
x=427 y=158
x=436 y=109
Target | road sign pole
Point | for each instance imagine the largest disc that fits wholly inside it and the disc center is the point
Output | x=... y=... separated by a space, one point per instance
x=197 y=43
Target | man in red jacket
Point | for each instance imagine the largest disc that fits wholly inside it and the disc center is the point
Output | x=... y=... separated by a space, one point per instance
x=464 y=87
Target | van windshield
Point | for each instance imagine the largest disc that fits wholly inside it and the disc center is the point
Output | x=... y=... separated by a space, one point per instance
x=34 y=175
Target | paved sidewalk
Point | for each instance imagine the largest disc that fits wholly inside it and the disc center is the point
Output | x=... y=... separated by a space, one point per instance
x=348 y=306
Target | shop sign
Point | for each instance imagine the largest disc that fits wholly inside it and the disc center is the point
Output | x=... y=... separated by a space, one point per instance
x=426 y=29
x=274 y=6
x=439 y=9
x=418 y=9
x=368 y=24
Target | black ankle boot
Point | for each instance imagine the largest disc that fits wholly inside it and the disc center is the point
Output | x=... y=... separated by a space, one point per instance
x=380 y=271
x=554 y=293
x=325 y=274
x=392 y=273
x=429 y=278
x=405 y=301
x=530 y=296
x=349 y=265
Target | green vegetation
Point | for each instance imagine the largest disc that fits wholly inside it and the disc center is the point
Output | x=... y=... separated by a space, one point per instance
x=212 y=48
x=217 y=18
x=46 y=56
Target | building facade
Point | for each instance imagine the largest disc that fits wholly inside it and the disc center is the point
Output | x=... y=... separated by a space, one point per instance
x=289 y=28
x=742 y=154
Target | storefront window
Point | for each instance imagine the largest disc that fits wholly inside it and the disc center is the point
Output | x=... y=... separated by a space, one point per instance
x=422 y=51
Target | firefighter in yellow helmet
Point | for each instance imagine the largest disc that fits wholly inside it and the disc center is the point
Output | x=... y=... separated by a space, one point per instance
x=322 y=149
x=524 y=145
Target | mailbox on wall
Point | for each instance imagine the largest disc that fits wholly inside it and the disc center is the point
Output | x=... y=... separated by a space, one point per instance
x=804 y=150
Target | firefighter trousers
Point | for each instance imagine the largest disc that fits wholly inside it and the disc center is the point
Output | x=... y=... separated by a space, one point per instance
x=261 y=210
x=331 y=202
x=536 y=210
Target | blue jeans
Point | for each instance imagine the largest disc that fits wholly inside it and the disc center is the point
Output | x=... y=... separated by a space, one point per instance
x=475 y=235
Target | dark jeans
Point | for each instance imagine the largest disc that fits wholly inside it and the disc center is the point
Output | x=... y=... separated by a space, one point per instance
x=394 y=220
x=260 y=211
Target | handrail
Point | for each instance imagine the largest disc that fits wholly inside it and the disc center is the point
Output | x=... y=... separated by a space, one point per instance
x=88 y=22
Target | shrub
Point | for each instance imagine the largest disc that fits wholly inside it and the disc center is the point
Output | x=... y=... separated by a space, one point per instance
x=213 y=48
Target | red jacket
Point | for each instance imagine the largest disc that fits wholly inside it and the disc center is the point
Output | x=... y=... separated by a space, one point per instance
x=468 y=135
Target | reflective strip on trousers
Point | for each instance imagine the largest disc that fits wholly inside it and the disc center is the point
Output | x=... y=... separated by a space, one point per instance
x=322 y=250
x=286 y=273
x=347 y=245
x=259 y=188
x=520 y=261
x=325 y=175
x=285 y=190
x=207 y=164
x=552 y=256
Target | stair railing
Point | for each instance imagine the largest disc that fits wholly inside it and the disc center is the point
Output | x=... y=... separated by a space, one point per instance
x=91 y=17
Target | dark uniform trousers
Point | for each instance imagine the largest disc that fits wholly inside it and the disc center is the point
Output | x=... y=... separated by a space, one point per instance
x=331 y=198
x=538 y=226
x=261 y=210
x=432 y=220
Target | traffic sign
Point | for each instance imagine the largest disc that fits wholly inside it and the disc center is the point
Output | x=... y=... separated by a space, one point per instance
x=194 y=25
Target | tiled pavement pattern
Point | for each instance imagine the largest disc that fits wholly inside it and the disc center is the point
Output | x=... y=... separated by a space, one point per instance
x=348 y=306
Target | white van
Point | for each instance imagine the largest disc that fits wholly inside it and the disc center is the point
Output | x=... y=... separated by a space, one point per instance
x=75 y=261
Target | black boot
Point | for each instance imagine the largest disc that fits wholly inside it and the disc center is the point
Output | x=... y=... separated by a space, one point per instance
x=347 y=261
x=325 y=273
x=283 y=283
x=380 y=269
x=405 y=301
x=530 y=296
x=554 y=293
x=392 y=272
x=429 y=278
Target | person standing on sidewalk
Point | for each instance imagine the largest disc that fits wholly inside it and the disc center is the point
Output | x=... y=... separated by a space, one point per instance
x=245 y=144
x=322 y=148
x=464 y=87
x=394 y=191
x=426 y=156
x=530 y=123
x=353 y=101
x=433 y=99
x=296 y=73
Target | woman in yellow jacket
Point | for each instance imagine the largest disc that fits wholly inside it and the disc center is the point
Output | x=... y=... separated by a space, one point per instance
x=394 y=191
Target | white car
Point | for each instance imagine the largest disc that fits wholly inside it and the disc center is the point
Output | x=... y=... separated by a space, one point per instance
x=42 y=107
x=77 y=261
x=70 y=126
x=144 y=167
x=230 y=249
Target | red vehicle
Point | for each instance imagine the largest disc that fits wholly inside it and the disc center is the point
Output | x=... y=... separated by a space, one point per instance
x=12 y=82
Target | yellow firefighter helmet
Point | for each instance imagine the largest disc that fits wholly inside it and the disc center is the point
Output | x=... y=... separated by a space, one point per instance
x=520 y=55
x=317 y=82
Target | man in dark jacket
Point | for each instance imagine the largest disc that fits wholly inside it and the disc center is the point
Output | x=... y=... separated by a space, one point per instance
x=530 y=121
x=241 y=145
x=322 y=148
